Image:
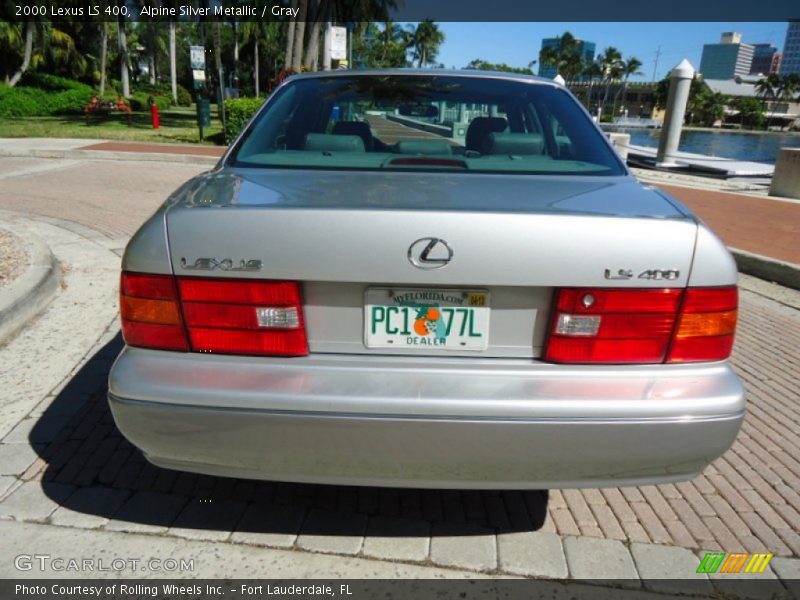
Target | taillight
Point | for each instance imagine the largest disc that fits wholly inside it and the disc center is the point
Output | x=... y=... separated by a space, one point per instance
x=151 y=315
x=615 y=326
x=244 y=316
x=228 y=316
x=706 y=325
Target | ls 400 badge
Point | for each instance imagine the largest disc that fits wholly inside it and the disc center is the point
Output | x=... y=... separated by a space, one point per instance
x=224 y=264
x=665 y=274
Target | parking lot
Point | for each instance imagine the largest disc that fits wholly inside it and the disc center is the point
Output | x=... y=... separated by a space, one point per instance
x=65 y=463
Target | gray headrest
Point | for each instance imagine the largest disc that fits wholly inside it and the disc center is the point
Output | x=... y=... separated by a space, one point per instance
x=323 y=142
x=516 y=143
x=358 y=128
x=424 y=147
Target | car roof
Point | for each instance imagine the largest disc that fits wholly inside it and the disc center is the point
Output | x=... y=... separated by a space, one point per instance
x=427 y=72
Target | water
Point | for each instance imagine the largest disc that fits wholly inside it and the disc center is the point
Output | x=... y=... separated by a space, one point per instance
x=756 y=147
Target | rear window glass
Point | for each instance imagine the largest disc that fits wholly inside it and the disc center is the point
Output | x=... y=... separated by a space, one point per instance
x=414 y=122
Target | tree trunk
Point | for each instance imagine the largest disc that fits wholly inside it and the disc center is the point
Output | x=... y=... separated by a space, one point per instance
x=123 y=58
x=152 y=59
x=26 y=59
x=299 y=35
x=103 y=57
x=173 y=62
x=255 y=66
x=312 y=47
x=218 y=64
x=290 y=40
x=326 y=47
x=236 y=48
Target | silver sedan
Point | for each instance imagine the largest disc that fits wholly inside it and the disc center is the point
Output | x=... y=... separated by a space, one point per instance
x=429 y=279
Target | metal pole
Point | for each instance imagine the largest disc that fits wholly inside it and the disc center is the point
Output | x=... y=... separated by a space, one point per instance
x=350 y=48
x=680 y=83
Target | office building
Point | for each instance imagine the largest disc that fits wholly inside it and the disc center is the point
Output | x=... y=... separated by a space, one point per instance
x=766 y=59
x=791 y=49
x=727 y=59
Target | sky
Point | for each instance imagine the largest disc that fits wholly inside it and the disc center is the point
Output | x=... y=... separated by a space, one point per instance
x=516 y=44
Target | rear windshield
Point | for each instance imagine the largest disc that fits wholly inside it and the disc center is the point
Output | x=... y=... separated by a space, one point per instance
x=423 y=123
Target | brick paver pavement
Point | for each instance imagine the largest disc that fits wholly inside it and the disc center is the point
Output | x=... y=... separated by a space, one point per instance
x=748 y=500
x=756 y=224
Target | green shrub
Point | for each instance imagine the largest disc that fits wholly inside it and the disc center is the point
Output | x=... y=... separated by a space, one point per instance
x=184 y=97
x=139 y=101
x=237 y=113
x=51 y=83
x=44 y=95
x=22 y=102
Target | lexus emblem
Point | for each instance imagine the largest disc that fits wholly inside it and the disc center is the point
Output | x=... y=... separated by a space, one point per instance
x=430 y=253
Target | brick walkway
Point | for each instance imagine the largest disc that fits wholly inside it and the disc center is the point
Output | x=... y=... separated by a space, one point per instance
x=748 y=500
x=755 y=224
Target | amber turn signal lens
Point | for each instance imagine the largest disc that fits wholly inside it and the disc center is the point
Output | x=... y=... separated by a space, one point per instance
x=164 y=312
x=706 y=324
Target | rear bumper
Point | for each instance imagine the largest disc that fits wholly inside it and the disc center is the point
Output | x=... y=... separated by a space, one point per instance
x=401 y=421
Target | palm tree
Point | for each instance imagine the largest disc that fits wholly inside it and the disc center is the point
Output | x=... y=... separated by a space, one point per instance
x=426 y=39
x=103 y=56
x=394 y=42
x=320 y=10
x=27 y=54
x=299 y=35
x=629 y=67
x=564 y=57
x=768 y=89
x=290 y=33
x=173 y=63
x=592 y=72
x=611 y=64
x=123 y=57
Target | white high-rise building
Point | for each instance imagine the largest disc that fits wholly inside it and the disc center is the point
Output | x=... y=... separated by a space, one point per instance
x=727 y=59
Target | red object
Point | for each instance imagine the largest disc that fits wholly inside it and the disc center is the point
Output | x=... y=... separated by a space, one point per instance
x=154 y=115
x=645 y=325
x=221 y=317
x=150 y=312
x=209 y=315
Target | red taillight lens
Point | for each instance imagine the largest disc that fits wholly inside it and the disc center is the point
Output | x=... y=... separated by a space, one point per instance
x=244 y=316
x=213 y=315
x=615 y=326
x=151 y=316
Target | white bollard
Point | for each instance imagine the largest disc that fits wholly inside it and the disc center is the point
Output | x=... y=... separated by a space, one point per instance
x=680 y=83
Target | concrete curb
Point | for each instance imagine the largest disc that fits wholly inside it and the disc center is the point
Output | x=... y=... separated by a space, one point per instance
x=28 y=294
x=108 y=155
x=770 y=269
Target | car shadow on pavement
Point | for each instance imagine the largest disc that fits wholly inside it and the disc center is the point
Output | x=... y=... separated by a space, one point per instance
x=100 y=480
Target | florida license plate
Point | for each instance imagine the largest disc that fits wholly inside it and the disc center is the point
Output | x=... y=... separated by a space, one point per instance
x=426 y=319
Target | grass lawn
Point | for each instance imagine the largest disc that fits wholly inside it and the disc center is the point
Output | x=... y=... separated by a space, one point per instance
x=178 y=125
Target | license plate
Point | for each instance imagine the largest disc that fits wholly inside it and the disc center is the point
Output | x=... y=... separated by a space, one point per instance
x=426 y=319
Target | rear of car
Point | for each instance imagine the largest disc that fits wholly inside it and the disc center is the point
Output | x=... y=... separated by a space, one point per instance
x=430 y=280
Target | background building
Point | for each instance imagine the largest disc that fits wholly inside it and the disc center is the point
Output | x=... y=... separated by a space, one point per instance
x=727 y=59
x=585 y=49
x=791 y=49
x=766 y=59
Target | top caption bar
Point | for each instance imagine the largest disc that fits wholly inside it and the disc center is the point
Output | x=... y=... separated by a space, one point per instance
x=342 y=11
